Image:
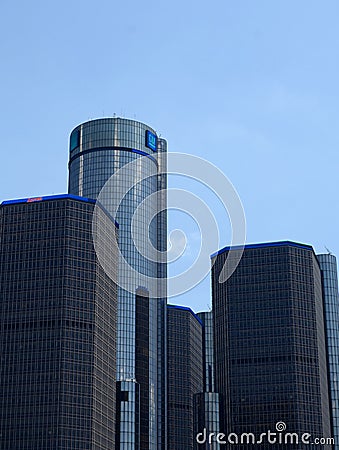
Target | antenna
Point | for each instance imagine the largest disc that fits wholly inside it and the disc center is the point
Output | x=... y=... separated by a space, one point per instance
x=328 y=251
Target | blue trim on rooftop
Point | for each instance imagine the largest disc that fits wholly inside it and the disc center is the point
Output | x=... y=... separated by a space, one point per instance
x=186 y=308
x=47 y=197
x=263 y=245
x=56 y=197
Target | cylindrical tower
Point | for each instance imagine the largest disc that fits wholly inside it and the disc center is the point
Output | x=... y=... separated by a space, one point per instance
x=98 y=150
x=328 y=266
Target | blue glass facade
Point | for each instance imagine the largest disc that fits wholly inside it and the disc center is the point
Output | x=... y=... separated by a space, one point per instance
x=206 y=421
x=104 y=147
x=328 y=266
x=208 y=350
x=207 y=403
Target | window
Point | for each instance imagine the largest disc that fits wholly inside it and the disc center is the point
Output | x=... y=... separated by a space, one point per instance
x=75 y=139
x=124 y=396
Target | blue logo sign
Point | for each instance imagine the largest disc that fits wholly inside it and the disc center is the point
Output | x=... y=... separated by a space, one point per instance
x=151 y=141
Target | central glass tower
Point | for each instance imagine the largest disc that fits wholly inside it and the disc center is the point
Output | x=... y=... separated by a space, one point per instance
x=98 y=150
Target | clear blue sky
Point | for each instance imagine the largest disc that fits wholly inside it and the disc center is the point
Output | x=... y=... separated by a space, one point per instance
x=252 y=86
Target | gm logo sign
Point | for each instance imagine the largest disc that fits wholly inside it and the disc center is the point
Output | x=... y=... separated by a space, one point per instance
x=151 y=141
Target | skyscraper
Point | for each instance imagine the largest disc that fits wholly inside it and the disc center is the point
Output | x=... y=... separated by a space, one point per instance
x=328 y=266
x=207 y=403
x=57 y=326
x=185 y=374
x=98 y=150
x=208 y=350
x=270 y=342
